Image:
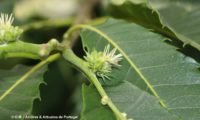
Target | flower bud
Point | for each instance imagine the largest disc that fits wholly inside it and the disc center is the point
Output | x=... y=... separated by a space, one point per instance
x=8 y=33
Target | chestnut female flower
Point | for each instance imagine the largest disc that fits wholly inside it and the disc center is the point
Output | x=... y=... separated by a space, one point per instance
x=8 y=32
x=101 y=63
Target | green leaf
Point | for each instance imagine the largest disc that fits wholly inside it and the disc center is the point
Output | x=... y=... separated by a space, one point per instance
x=151 y=65
x=19 y=101
x=137 y=104
x=174 y=18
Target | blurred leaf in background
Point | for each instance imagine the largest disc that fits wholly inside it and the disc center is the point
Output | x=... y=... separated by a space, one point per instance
x=49 y=9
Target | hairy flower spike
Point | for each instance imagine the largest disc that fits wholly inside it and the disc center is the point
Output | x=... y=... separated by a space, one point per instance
x=101 y=63
x=8 y=32
x=7 y=20
x=111 y=57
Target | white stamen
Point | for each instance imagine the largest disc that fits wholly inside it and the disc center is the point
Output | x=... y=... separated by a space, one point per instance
x=111 y=57
x=5 y=19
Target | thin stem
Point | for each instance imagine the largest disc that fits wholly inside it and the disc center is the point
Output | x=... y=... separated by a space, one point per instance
x=28 y=50
x=83 y=67
x=30 y=72
x=20 y=49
